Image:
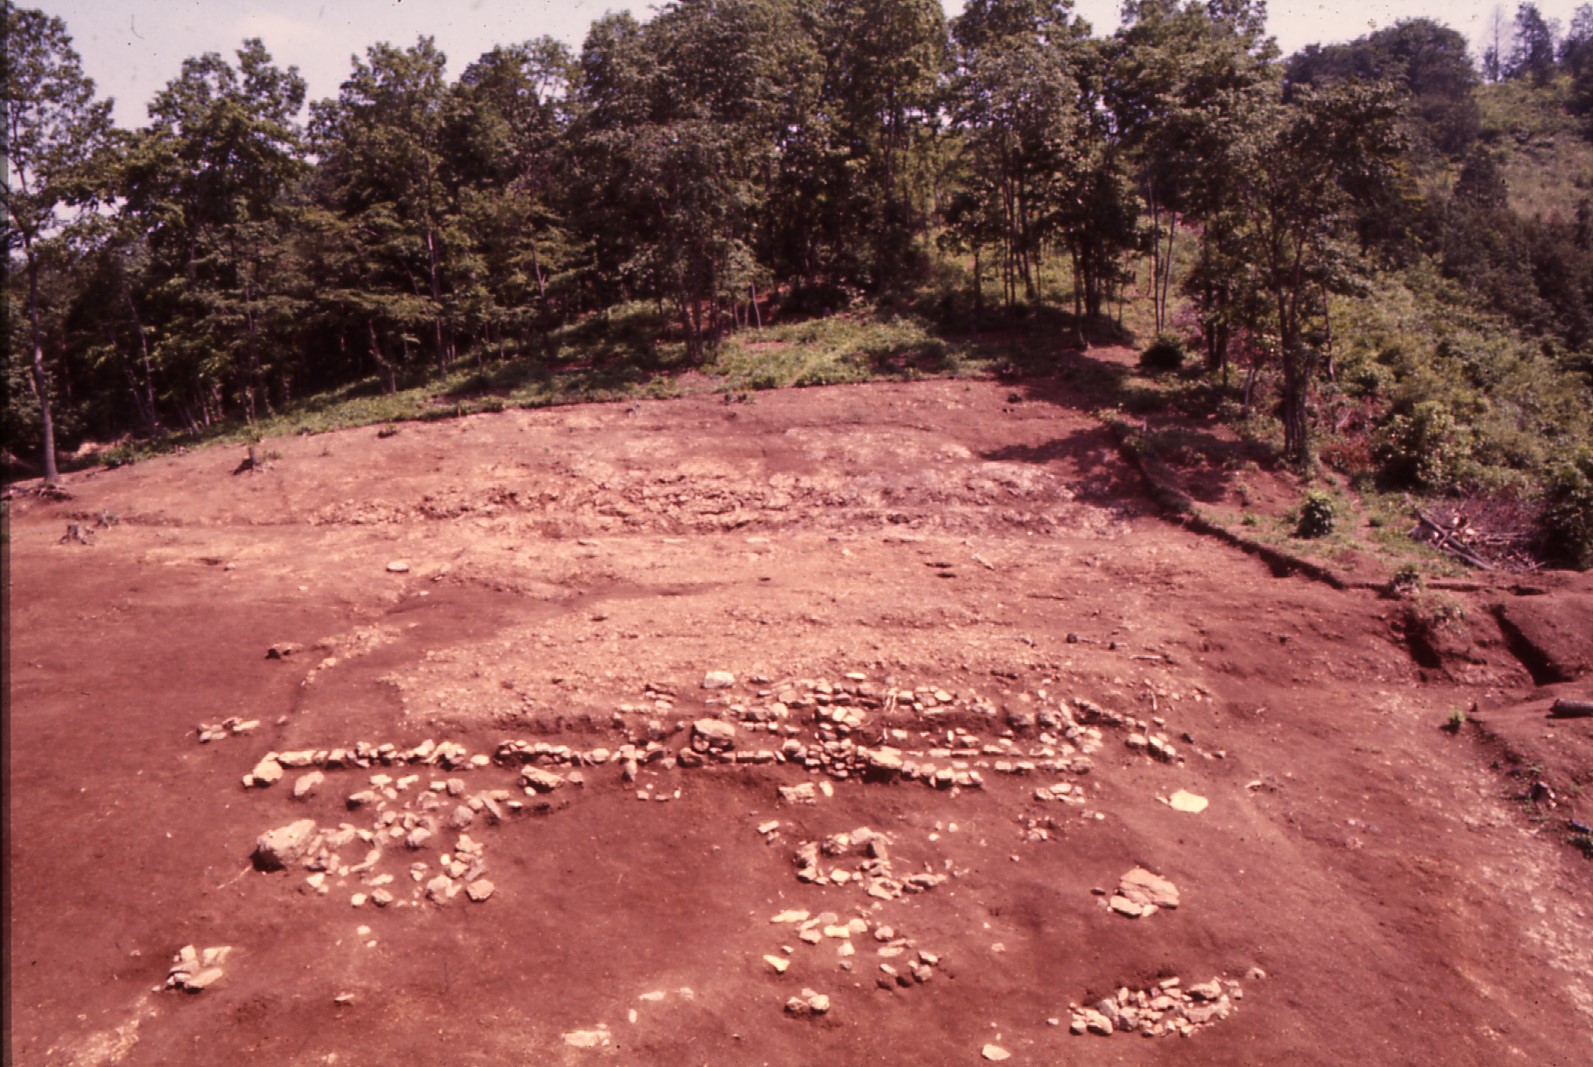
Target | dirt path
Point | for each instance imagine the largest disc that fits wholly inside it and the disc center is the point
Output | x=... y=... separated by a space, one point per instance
x=936 y=601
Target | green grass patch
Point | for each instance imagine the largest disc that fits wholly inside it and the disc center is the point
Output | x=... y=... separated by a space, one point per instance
x=851 y=347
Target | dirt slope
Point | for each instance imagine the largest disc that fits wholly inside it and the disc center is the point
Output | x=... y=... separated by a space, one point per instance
x=936 y=599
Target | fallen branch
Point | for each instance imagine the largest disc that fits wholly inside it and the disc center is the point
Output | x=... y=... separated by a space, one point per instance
x=1450 y=542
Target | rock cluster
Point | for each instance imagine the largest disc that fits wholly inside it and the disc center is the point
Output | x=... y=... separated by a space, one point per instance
x=1164 y=1009
x=405 y=819
x=1141 y=893
x=232 y=726
x=1065 y=792
x=836 y=730
x=808 y=1003
x=1154 y=745
x=362 y=754
x=860 y=857
x=628 y=757
x=194 y=970
x=841 y=714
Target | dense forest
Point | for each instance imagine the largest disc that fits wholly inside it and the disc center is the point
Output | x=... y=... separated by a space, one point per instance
x=1385 y=247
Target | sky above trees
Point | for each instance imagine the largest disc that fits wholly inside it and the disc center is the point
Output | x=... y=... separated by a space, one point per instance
x=131 y=48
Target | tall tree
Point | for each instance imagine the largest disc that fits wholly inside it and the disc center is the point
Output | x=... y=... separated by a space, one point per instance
x=1495 y=36
x=55 y=131
x=507 y=134
x=883 y=61
x=1429 y=60
x=381 y=145
x=208 y=180
x=1018 y=104
x=685 y=126
x=1576 y=48
x=1298 y=180
x=1185 y=80
x=1532 y=50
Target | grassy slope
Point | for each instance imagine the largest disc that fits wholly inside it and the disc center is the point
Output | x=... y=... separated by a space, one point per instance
x=1548 y=161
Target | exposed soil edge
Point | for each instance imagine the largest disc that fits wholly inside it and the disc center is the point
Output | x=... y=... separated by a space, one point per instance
x=1180 y=507
x=1539 y=661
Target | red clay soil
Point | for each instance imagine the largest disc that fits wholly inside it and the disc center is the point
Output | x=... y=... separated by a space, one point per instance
x=1374 y=885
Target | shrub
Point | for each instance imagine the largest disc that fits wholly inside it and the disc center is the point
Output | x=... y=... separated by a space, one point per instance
x=1424 y=447
x=1317 y=515
x=1164 y=355
x=1405 y=582
x=1568 y=514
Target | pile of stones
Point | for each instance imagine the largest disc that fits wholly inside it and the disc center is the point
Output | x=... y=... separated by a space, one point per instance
x=808 y=1003
x=194 y=970
x=1154 y=745
x=826 y=863
x=627 y=757
x=844 y=745
x=232 y=726
x=1141 y=893
x=1165 y=1009
x=416 y=824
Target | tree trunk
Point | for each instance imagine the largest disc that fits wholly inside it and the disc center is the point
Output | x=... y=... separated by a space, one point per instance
x=145 y=415
x=1298 y=363
x=1156 y=256
x=149 y=375
x=381 y=359
x=979 y=286
x=1167 y=271
x=444 y=343
x=536 y=268
x=41 y=381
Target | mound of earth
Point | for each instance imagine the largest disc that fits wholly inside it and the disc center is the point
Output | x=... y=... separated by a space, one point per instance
x=883 y=723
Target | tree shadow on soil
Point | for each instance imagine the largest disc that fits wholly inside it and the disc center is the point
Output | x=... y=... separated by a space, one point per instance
x=1176 y=433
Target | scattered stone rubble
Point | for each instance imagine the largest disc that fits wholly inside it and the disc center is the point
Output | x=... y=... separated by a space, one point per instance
x=900 y=963
x=195 y=970
x=850 y=729
x=418 y=806
x=842 y=745
x=1162 y=1010
x=1154 y=745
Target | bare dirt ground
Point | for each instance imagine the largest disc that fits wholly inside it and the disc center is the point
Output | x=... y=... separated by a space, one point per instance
x=940 y=602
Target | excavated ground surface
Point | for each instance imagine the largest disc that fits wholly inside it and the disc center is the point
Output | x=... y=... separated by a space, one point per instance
x=938 y=601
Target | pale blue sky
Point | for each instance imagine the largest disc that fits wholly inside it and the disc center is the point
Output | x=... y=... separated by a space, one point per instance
x=133 y=47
